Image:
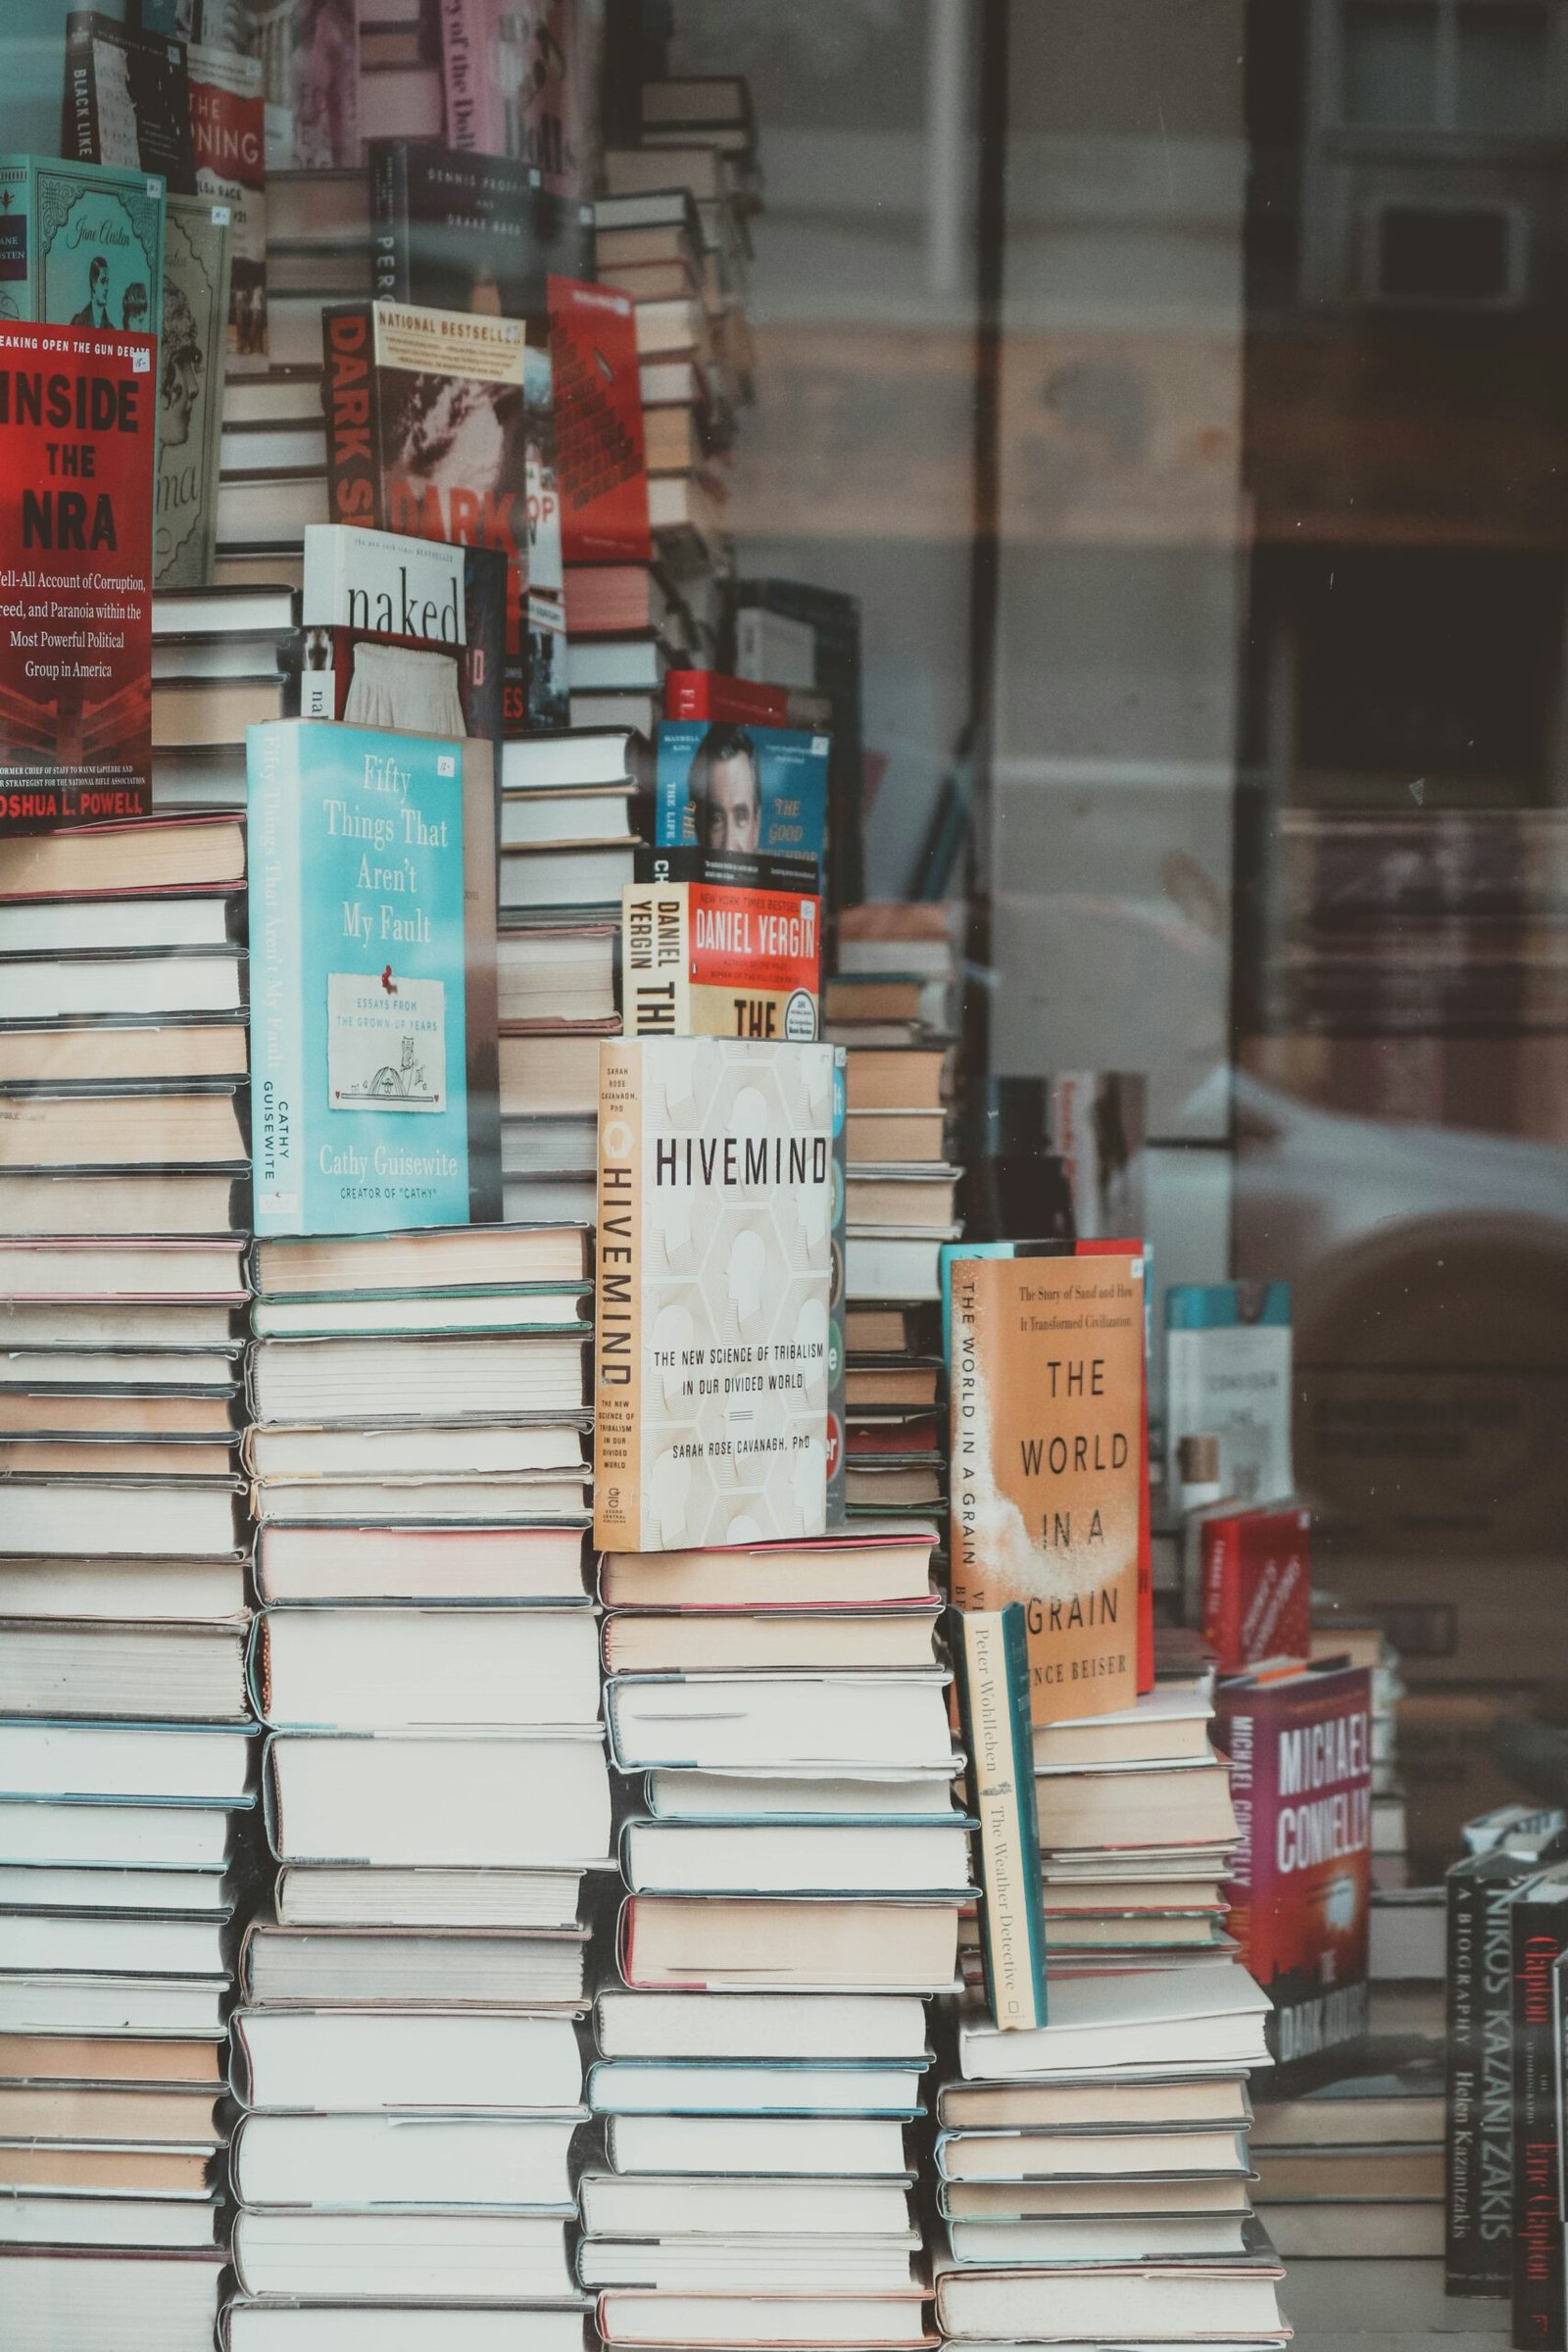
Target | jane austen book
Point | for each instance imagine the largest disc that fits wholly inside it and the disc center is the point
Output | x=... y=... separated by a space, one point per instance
x=993 y=1661
x=191 y=355
x=402 y=633
x=428 y=435
x=373 y=894
x=1046 y=1388
x=80 y=244
x=716 y=1210
x=601 y=460
x=1301 y=1748
x=78 y=418
x=472 y=232
x=128 y=100
x=227 y=120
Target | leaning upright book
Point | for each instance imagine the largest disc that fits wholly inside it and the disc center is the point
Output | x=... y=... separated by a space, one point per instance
x=373 y=894
x=715 y=1212
x=993 y=1660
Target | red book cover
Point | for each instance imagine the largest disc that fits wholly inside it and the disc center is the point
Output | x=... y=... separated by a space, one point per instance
x=1258 y=1586
x=711 y=694
x=1300 y=1752
x=78 y=417
x=601 y=468
x=1145 y=1545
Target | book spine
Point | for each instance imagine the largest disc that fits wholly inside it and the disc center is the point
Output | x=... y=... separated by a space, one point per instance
x=390 y=234
x=617 y=1306
x=1464 y=2253
x=994 y=1690
x=79 y=129
x=1222 y=1596
x=656 y=959
x=278 y=1026
x=347 y=397
x=1538 y=2230
x=1238 y=1736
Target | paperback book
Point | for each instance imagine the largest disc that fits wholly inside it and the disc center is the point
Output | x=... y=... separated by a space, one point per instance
x=371 y=897
x=523 y=81
x=711 y=1315
x=312 y=61
x=600 y=455
x=1228 y=1376
x=993 y=1660
x=227 y=120
x=191 y=355
x=400 y=633
x=548 y=703
x=80 y=244
x=732 y=951
x=77 y=416
x=752 y=789
x=460 y=231
x=127 y=101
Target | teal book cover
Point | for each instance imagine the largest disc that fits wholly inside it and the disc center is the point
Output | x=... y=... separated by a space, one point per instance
x=82 y=244
x=371 y=977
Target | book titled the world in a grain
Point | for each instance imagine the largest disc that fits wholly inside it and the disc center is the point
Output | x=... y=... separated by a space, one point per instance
x=1046 y=1387
x=715 y=1214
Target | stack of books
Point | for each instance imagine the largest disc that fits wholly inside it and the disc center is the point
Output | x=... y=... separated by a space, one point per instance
x=434 y=1780
x=124 y=1731
x=794 y=1869
x=1349 y=2165
x=892 y=1002
x=1097 y=2166
x=214 y=674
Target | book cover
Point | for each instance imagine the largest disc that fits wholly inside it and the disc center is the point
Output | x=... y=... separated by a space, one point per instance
x=549 y=699
x=601 y=458
x=753 y=789
x=406 y=634
x=310 y=59
x=819 y=630
x=80 y=244
x=710 y=694
x=1228 y=1376
x=1257 y=1571
x=1301 y=1752
x=126 y=101
x=459 y=231
x=711 y=1316
x=709 y=956
x=1538 y=1918
x=520 y=78
x=77 y=421
x=1045 y=1352
x=838 y=1311
x=1477 y=2117
x=371 y=899
x=426 y=435
x=992 y=1650
x=228 y=122
x=191 y=355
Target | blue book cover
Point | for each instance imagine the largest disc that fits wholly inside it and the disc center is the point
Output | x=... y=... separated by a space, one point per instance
x=758 y=790
x=82 y=244
x=371 y=900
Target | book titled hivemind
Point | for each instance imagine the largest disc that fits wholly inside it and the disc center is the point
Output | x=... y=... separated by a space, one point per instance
x=715 y=1207
x=373 y=895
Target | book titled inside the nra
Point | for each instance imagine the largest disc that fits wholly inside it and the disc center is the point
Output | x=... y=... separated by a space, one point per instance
x=715 y=1236
x=1047 y=1403
x=372 y=896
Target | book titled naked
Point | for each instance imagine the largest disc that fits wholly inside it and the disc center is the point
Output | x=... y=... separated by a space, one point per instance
x=402 y=633
x=1046 y=1377
x=712 y=1339
x=77 y=420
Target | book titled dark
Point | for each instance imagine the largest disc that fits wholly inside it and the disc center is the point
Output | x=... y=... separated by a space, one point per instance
x=460 y=231
x=127 y=99
x=78 y=418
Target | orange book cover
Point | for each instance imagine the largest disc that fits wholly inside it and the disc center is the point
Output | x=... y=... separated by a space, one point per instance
x=1046 y=1387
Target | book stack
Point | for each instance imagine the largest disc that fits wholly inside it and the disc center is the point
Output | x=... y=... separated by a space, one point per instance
x=434 y=1785
x=214 y=674
x=124 y=1738
x=893 y=1005
x=1349 y=2165
x=794 y=1870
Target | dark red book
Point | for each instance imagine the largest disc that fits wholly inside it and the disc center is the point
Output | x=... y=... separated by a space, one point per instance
x=1299 y=1741
x=1257 y=1586
x=77 y=416
x=713 y=694
x=601 y=467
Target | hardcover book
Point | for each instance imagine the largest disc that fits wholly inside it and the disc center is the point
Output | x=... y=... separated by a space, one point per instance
x=427 y=436
x=312 y=62
x=227 y=120
x=601 y=460
x=753 y=789
x=1257 y=1571
x=460 y=231
x=191 y=355
x=1228 y=1376
x=400 y=633
x=520 y=79
x=712 y=956
x=1539 y=1917
x=372 y=894
x=127 y=102
x=709 y=694
x=795 y=633
x=549 y=700
x=711 y=1315
x=1301 y=1749
x=993 y=1658
x=80 y=244
x=838 y=1316
x=78 y=417
x=1046 y=1396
